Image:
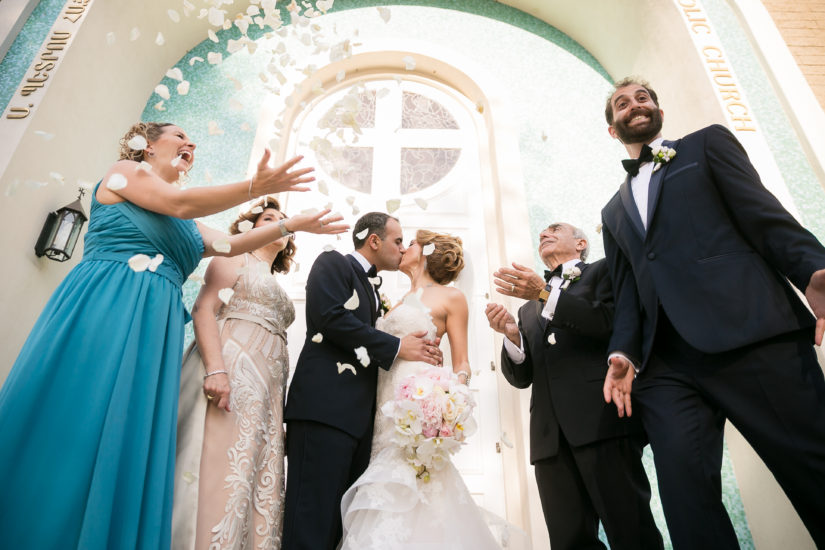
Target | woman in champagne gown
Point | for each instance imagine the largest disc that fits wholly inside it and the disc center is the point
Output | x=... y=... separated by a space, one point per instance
x=390 y=506
x=88 y=412
x=229 y=475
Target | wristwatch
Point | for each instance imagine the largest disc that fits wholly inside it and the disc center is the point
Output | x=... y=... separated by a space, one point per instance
x=284 y=231
x=543 y=295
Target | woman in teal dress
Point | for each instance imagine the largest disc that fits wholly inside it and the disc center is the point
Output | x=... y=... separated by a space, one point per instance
x=88 y=412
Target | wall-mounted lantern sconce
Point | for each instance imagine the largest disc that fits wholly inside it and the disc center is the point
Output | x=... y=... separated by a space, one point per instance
x=61 y=230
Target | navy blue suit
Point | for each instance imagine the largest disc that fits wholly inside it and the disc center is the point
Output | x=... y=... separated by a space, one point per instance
x=577 y=442
x=704 y=309
x=329 y=414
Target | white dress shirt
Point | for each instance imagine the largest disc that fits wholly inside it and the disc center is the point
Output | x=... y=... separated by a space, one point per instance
x=516 y=353
x=640 y=183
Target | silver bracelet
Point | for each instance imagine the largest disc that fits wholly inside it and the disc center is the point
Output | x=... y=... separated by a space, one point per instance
x=466 y=374
x=208 y=374
x=282 y=226
x=249 y=191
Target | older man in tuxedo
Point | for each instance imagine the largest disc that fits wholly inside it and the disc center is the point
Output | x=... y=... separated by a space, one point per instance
x=700 y=255
x=587 y=460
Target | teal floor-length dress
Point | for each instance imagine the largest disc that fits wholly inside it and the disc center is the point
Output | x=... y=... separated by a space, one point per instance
x=89 y=410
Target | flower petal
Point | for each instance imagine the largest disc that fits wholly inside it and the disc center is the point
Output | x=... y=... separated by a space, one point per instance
x=345 y=366
x=137 y=143
x=45 y=135
x=428 y=249
x=421 y=203
x=194 y=59
x=552 y=339
x=173 y=15
x=362 y=355
x=162 y=91
x=393 y=205
x=214 y=58
x=110 y=38
x=159 y=106
x=222 y=246
x=225 y=294
x=183 y=88
x=257 y=210
x=134 y=34
x=175 y=74
x=245 y=226
x=317 y=337
x=139 y=262
x=353 y=302
x=328 y=248
x=159 y=40
x=116 y=181
x=155 y=262
x=409 y=62
x=362 y=234
x=384 y=13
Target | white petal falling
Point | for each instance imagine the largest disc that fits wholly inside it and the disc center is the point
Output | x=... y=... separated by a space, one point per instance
x=599 y=228
x=257 y=210
x=353 y=302
x=116 y=182
x=552 y=339
x=422 y=204
x=225 y=294
x=183 y=88
x=212 y=36
x=134 y=34
x=345 y=366
x=194 y=59
x=323 y=188
x=58 y=177
x=428 y=249
x=506 y=440
x=45 y=135
x=350 y=200
x=188 y=8
x=393 y=205
x=145 y=166
x=110 y=38
x=362 y=355
x=137 y=143
x=384 y=13
x=175 y=73
x=214 y=129
x=355 y=210
x=409 y=62
x=222 y=246
x=159 y=39
x=155 y=262
x=162 y=91
x=340 y=76
x=328 y=248
x=216 y=17
x=309 y=211
x=374 y=281
x=87 y=185
x=214 y=58
x=159 y=106
x=139 y=262
x=173 y=15
x=318 y=338
x=245 y=226
x=362 y=234
x=175 y=161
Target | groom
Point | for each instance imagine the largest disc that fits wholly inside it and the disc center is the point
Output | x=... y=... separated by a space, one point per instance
x=331 y=402
x=701 y=256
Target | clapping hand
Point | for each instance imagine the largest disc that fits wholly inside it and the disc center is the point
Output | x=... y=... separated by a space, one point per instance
x=503 y=322
x=520 y=282
x=815 y=294
x=268 y=180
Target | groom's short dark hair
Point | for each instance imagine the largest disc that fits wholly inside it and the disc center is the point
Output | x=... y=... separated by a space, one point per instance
x=373 y=222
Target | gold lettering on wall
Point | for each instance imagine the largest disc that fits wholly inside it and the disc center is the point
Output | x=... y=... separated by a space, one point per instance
x=47 y=59
x=719 y=70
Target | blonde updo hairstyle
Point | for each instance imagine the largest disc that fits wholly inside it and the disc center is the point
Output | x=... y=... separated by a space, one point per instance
x=151 y=131
x=447 y=260
x=283 y=261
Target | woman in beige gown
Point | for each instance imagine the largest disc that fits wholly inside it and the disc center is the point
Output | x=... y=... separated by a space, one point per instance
x=229 y=472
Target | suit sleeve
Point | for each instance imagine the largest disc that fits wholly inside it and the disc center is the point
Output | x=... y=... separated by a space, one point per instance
x=519 y=375
x=770 y=229
x=588 y=317
x=627 y=320
x=329 y=285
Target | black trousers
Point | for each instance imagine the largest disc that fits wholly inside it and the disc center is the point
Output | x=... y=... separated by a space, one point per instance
x=604 y=480
x=774 y=394
x=322 y=462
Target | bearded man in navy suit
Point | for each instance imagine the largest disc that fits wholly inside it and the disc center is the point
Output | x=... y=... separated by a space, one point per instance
x=330 y=406
x=701 y=256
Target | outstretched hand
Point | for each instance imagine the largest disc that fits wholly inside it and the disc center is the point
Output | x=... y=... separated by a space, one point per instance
x=415 y=348
x=815 y=294
x=318 y=223
x=503 y=322
x=268 y=180
x=618 y=384
x=520 y=282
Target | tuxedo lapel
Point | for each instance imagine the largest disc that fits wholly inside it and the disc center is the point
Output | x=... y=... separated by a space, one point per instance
x=655 y=186
x=367 y=286
x=631 y=209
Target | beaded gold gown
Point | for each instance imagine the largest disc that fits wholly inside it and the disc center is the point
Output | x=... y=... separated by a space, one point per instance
x=229 y=473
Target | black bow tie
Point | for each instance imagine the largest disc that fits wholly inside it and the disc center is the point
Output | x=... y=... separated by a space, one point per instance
x=372 y=271
x=632 y=165
x=548 y=274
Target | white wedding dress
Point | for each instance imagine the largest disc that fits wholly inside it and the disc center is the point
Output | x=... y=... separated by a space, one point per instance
x=388 y=508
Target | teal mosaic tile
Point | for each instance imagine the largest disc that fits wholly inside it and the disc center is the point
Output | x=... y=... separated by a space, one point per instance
x=22 y=51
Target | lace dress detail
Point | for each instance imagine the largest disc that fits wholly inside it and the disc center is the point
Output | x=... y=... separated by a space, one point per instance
x=235 y=461
x=388 y=508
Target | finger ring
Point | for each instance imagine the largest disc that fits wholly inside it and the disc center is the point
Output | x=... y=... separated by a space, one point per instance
x=512 y=287
x=210 y=397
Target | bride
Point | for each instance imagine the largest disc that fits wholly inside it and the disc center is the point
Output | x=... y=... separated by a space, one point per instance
x=389 y=506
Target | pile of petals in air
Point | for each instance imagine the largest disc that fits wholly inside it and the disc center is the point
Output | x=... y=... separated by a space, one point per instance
x=432 y=412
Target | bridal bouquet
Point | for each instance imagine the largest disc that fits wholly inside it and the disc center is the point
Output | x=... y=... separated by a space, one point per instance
x=432 y=413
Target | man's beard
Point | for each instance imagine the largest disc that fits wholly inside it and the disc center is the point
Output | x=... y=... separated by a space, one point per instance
x=641 y=134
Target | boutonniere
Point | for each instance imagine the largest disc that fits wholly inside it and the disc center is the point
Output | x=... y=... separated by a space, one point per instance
x=662 y=155
x=570 y=276
x=386 y=305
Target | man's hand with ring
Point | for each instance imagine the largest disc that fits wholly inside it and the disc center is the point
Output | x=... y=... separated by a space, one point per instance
x=519 y=281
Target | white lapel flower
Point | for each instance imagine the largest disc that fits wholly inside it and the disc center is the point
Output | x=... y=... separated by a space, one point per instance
x=662 y=155
x=570 y=276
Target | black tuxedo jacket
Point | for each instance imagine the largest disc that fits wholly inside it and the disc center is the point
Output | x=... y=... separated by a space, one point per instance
x=318 y=392
x=567 y=377
x=715 y=255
